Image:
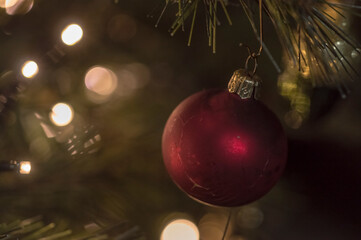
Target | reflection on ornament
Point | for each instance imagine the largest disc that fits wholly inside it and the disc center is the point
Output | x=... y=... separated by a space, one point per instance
x=223 y=150
x=180 y=229
x=61 y=114
x=30 y=69
x=72 y=34
x=24 y=167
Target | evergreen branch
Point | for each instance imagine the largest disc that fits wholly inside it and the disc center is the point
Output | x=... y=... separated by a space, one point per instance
x=34 y=228
x=318 y=21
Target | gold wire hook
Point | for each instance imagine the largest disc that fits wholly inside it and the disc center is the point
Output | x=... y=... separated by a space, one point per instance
x=251 y=56
x=260 y=2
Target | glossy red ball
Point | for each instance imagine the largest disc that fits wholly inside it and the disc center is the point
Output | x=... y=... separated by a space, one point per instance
x=222 y=150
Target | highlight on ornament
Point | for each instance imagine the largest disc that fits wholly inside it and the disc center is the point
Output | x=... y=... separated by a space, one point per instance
x=101 y=80
x=30 y=69
x=17 y=7
x=62 y=114
x=180 y=229
x=72 y=34
x=24 y=167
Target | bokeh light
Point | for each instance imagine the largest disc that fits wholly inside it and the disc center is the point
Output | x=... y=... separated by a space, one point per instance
x=236 y=237
x=293 y=119
x=30 y=69
x=101 y=80
x=24 y=167
x=131 y=78
x=72 y=34
x=249 y=217
x=355 y=53
x=61 y=114
x=7 y=3
x=180 y=229
x=17 y=7
x=40 y=147
x=211 y=225
x=294 y=86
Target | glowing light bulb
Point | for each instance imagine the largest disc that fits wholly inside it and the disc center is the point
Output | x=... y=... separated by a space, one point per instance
x=30 y=69
x=8 y=3
x=17 y=7
x=180 y=229
x=72 y=34
x=24 y=167
x=61 y=114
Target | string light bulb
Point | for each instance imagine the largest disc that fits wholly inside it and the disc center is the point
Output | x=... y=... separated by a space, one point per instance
x=61 y=114
x=72 y=34
x=17 y=7
x=180 y=229
x=30 y=69
x=24 y=167
x=8 y=3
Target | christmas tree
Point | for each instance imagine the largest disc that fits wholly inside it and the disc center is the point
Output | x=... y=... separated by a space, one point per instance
x=86 y=88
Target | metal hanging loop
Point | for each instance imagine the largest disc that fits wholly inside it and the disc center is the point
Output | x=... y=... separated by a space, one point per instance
x=255 y=55
x=243 y=81
x=255 y=63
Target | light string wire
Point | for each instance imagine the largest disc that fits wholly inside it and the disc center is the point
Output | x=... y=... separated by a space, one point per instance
x=227 y=224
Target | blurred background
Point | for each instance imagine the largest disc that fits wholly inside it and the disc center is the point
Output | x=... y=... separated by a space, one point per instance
x=86 y=88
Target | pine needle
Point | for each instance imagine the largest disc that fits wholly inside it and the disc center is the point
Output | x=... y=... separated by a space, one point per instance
x=214 y=27
x=193 y=21
x=226 y=12
x=318 y=21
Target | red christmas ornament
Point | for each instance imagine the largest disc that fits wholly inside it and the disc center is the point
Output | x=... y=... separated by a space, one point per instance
x=224 y=150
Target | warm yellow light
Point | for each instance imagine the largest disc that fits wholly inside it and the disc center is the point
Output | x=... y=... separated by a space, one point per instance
x=72 y=34
x=8 y=3
x=30 y=69
x=17 y=7
x=61 y=114
x=25 y=167
x=180 y=229
x=211 y=225
x=100 y=80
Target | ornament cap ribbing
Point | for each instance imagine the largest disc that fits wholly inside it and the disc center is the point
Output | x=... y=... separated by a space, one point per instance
x=242 y=84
